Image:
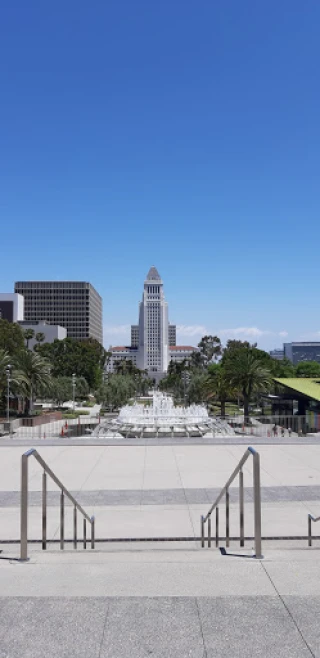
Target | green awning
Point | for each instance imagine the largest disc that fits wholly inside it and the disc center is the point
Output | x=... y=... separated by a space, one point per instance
x=304 y=385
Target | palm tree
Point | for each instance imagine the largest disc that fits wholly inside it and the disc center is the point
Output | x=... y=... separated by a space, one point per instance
x=28 y=335
x=245 y=373
x=217 y=386
x=33 y=375
x=40 y=337
x=4 y=363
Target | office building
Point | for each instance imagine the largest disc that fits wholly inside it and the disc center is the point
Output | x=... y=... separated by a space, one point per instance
x=277 y=354
x=153 y=340
x=302 y=351
x=75 y=305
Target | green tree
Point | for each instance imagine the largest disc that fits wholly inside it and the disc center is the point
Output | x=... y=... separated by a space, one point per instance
x=32 y=375
x=85 y=358
x=307 y=369
x=40 y=338
x=28 y=335
x=195 y=391
x=283 y=368
x=61 y=389
x=11 y=338
x=217 y=386
x=117 y=391
x=4 y=363
x=245 y=373
x=210 y=348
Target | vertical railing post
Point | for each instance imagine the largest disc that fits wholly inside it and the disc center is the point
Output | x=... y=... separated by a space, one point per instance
x=24 y=509
x=257 y=505
x=44 y=511
x=92 y=532
x=209 y=531
x=84 y=533
x=202 y=531
x=62 y=520
x=217 y=527
x=74 y=527
x=227 y=518
x=309 y=531
x=241 y=507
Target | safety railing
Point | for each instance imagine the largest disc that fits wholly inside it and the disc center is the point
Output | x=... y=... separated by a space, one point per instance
x=250 y=452
x=64 y=493
x=311 y=519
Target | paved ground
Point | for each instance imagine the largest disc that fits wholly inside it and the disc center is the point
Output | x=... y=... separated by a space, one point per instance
x=163 y=600
x=90 y=440
x=161 y=603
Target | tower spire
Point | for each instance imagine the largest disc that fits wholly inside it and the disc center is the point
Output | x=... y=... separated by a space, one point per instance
x=153 y=274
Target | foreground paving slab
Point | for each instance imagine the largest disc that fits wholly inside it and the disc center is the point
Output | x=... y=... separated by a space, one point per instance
x=166 y=627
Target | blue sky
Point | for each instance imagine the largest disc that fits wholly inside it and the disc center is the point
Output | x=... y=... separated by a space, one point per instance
x=178 y=133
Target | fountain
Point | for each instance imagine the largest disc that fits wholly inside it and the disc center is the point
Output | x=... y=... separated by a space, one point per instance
x=162 y=419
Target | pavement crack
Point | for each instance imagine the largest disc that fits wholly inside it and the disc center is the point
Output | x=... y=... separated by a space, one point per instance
x=205 y=654
x=288 y=611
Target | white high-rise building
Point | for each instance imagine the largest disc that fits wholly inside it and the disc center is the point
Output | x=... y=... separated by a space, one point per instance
x=153 y=340
x=153 y=326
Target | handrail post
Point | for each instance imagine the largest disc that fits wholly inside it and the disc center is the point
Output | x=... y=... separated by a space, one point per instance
x=92 y=532
x=74 y=527
x=202 y=531
x=44 y=511
x=84 y=533
x=241 y=504
x=217 y=527
x=257 y=505
x=309 y=531
x=209 y=531
x=24 y=509
x=227 y=518
x=62 y=521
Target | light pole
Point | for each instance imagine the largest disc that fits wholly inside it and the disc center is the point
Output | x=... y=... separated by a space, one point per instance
x=8 y=368
x=73 y=390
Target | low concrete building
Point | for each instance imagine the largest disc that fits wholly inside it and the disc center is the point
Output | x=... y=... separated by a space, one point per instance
x=11 y=306
x=51 y=331
x=179 y=353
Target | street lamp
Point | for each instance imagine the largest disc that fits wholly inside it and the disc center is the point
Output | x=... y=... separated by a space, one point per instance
x=73 y=390
x=8 y=368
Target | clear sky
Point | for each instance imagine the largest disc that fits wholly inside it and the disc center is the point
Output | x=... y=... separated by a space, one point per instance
x=181 y=134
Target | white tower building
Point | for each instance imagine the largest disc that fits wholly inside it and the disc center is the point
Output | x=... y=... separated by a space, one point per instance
x=153 y=340
x=153 y=326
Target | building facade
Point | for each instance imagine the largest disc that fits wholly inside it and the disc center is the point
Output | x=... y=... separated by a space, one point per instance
x=302 y=351
x=277 y=354
x=11 y=307
x=75 y=305
x=153 y=340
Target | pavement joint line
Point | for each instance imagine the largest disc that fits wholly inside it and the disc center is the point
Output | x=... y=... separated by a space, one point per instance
x=143 y=475
x=287 y=609
x=183 y=488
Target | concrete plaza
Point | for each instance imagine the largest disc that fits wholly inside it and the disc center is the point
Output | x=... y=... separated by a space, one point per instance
x=133 y=599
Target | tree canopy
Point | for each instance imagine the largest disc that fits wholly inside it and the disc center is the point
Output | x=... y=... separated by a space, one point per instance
x=85 y=358
x=11 y=338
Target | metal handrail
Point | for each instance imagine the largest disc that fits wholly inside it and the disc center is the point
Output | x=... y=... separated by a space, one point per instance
x=225 y=491
x=310 y=519
x=64 y=492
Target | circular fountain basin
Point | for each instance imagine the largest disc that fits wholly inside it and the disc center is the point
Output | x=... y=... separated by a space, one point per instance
x=163 y=419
